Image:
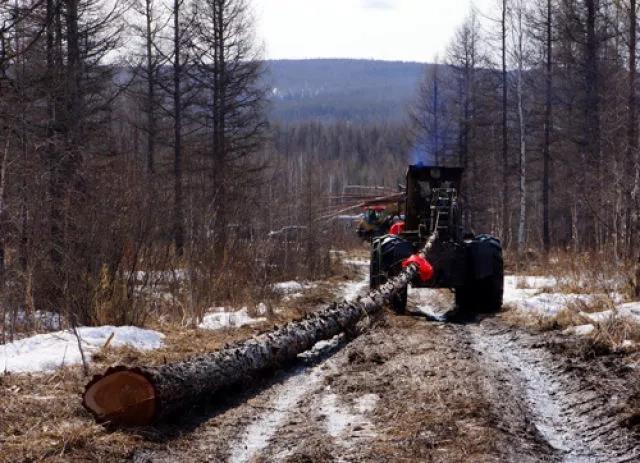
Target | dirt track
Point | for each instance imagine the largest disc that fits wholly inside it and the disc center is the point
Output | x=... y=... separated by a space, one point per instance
x=412 y=390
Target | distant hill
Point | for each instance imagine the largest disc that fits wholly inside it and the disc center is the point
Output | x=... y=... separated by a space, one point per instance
x=342 y=90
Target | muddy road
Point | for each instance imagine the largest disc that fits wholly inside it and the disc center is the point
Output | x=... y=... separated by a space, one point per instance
x=409 y=390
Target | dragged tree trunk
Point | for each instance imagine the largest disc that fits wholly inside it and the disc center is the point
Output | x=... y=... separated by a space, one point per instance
x=140 y=396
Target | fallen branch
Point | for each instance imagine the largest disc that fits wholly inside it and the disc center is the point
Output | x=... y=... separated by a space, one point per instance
x=143 y=395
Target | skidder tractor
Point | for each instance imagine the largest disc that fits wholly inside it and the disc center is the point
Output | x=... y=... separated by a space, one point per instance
x=470 y=265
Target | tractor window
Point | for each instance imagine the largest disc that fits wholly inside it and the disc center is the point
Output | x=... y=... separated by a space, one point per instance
x=425 y=189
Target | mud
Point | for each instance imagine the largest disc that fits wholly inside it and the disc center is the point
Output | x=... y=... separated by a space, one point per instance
x=410 y=390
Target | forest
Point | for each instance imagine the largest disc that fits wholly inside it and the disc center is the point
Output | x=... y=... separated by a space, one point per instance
x=136 y=141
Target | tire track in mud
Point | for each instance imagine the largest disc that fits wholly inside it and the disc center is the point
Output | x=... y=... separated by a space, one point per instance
x=257 y=435
x=546 y=399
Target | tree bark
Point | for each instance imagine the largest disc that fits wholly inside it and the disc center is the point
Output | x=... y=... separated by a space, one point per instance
x=151 y=87
x=3 y=183
x=505 y=145
x=591 y=109
x=522 y=222
x=546 y=170
x=436 y=115
x=178 y=220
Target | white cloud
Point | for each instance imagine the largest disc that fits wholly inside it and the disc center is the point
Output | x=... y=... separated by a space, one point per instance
x=379 y=4
x=407 y=30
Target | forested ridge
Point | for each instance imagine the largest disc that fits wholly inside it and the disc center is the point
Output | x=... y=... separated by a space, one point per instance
x=142 y=136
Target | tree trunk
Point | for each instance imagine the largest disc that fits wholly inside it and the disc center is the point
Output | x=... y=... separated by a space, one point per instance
x=592 y=133
x=140 y=396
x=436 y=116
x=151 y=87
x=3 y=183
x=546 y=174
x=178 y=221
x=632 y=128
x=522 y=222
x=505 y=146
x=220 y=140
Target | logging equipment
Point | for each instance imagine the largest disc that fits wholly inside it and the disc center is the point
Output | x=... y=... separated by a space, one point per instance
x=471 y=265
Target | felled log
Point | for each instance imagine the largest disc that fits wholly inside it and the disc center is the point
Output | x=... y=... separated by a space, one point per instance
x=142 y=395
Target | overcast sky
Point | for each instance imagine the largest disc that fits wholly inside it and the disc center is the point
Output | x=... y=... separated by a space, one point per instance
x=405 y=30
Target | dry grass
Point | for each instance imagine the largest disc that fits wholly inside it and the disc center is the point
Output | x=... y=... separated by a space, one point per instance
x=579 y=273
x=615 y=335
x=41 y=417
x=431 y=406
x=42 y=420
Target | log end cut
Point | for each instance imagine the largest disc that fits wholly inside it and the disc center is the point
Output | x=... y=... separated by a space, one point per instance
x=121 y=396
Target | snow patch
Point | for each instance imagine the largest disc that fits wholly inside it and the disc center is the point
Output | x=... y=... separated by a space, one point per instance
x=160 y=277
x=427 y=301
x=356 y=262
x=41 y=319
x=46 y=352
x=256 y=437
x=345 y=423
x=337 y=417
x=288 y=287
x=534 y=282
x=530 y=298
x=353 y=289
x=580 y=330
x=630 y=310
x=367 y=403
x=219 y=318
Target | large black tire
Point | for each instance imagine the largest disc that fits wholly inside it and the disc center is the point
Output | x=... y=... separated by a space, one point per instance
x=482 y=295
x=378 y=276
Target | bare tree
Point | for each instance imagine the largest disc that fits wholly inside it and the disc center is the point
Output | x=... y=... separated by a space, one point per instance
x=229 y=70
x=148 y=73
x=519 y=32
x=505 y=139
x=546 y=175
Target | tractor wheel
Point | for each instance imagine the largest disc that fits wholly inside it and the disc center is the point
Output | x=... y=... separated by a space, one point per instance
x=483 y=295
x=378 y=277
x=490 y=291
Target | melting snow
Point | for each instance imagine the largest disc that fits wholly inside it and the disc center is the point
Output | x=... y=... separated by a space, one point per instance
x=630 y=311
x=367 y=403
x=524 y=293
x=46 y=352
x=344 y=423
x=337 y=418
x=287 y=287
x=356 y=262
x=353 y=289
x=580 y=330
x=219 y=318
x=531 y=298
x=256 y=437
x=533 y=282
x=46 y=320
